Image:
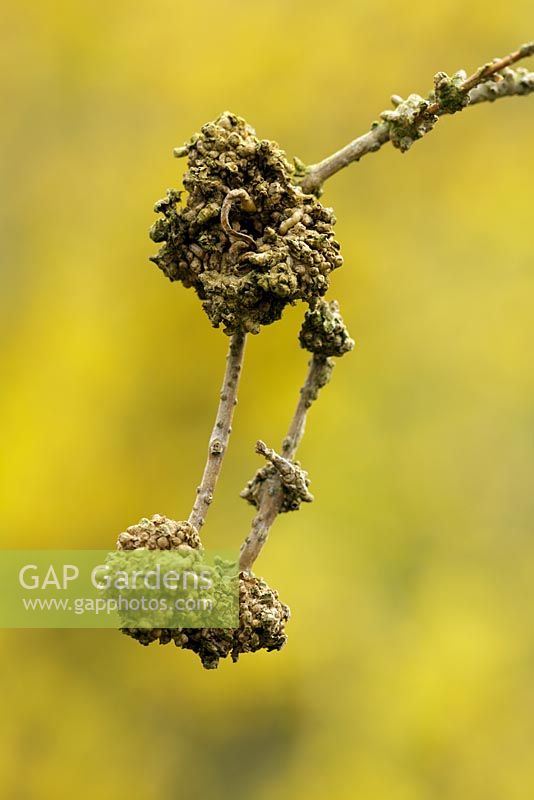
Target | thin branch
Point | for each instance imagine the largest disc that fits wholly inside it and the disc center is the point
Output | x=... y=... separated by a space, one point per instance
x=492 y=67
x=422 y=114
x=515 y=82
x=270 y=502
x=318 y=375
x=221 y=430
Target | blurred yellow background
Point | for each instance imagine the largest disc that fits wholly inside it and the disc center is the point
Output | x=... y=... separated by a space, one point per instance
x=409 y=668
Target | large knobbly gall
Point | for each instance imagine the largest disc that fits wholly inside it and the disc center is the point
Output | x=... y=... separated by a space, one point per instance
x=246 y=238
x=262 y=616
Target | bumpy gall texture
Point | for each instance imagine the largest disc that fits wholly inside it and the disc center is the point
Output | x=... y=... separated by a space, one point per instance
x=262 y=616
x=277 y=245
x=323 y=331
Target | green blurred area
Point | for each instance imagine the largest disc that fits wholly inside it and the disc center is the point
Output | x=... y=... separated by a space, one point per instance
x=409 y=669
